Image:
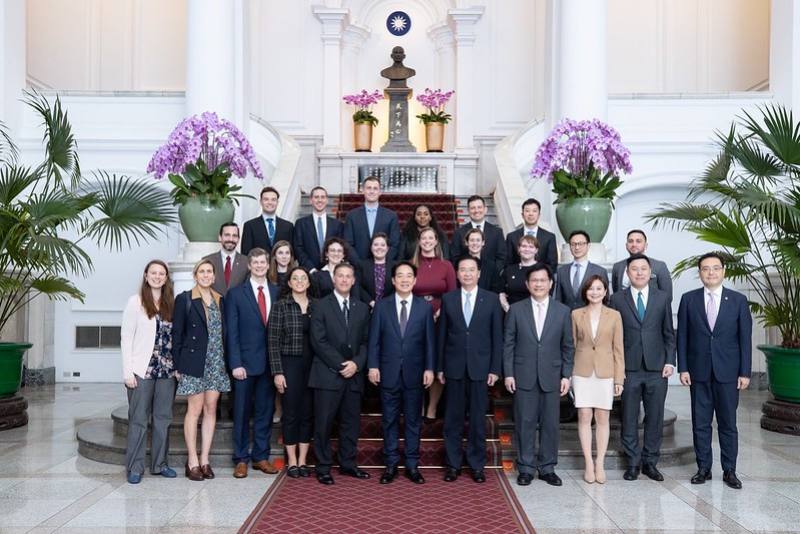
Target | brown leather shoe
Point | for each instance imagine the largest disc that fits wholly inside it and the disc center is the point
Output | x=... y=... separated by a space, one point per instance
x=266 y=467
x=194 y=473
x=208 y=473
x=240 y=471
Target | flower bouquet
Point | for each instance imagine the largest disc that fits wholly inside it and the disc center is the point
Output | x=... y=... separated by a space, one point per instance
x=435 y=101
x=363 y=119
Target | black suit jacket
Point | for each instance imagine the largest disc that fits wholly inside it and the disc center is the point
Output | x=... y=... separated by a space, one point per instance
x=493 y=249
x=366 y=280
x=564 y=292
x=306 y=246
x=356 y=232
x=547 y=247
x=649 y=344
x=190 y=334
x=254 y=234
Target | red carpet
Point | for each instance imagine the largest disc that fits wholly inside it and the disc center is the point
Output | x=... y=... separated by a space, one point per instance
x=304 y=506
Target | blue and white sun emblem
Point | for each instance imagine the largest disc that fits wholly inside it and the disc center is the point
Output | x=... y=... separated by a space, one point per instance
x=398 y=23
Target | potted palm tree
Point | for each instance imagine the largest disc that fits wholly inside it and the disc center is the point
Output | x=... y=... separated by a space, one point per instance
x=747 y=202
x=49 y=211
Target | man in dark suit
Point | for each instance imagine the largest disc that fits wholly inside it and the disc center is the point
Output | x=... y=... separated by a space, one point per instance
x=401 y=361
x=570 y=276
x=636 y=243
x=363 y=222
x=246 y=313
x=339 y=333
x=649 y=340
x=470 y=346
x=531 y=210
x=311 y=231
x=714 y=357
x=230 y=267
x=266 y=229
x=538 y=355
x=494 y=249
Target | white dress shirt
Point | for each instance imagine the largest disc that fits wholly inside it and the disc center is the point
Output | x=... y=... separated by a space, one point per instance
x=472 y=296
x=645 y=294
x=399 y=306
x=533 y=229
x=225 y=255
x=535 y=306
x=265 y=288
x=340 y=299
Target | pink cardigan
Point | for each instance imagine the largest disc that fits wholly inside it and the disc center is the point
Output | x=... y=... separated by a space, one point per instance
x=137 y=338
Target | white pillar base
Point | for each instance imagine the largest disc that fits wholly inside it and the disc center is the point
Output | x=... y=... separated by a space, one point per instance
x=183 y=265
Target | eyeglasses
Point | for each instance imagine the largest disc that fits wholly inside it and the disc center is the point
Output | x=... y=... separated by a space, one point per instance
x=711 y=269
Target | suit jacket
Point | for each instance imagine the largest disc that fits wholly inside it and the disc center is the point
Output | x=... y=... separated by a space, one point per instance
x=412 y=353
x=531 y=360
x=239 y=271
x=649 y=344
x=137 y=334
x=547 y=247
x=356 y=232
x=471 y=351
x=335 y=341
x=659 y=279
x=564 y=292
x=724 y=353
x=190 y=333
x=366 y=280
x=603 y=353
x=494 y=249
x=254 y=234
x=306 y=246
x=246 y=338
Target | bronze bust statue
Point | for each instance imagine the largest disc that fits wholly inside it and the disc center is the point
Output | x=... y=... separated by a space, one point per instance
x=398 y=73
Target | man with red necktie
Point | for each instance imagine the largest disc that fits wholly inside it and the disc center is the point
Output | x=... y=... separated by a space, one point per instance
x=229 y=265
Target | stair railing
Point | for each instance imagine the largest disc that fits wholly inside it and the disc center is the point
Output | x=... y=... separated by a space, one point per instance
x=279 y=154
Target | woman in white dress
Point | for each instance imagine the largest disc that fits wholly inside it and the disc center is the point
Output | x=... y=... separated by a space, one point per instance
x=599 y=371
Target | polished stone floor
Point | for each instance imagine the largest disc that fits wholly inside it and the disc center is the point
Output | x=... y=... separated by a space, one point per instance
x=46 y=487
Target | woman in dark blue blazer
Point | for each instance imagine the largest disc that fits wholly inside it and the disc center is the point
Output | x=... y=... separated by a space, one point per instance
x=197 y=346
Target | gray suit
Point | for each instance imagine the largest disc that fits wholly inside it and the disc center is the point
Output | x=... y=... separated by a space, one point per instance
x=537 y=365
x=649 y=346
x=565 y=293
x=239 y=271
x=659 y=279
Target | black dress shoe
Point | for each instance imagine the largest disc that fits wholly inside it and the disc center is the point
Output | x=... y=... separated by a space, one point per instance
x=701 y=476
x=551 y=478
x=524 y=479
x=650 y=471
x=325 y=478
x=305 y=472
x=479 y=476
x=355 y=473
x=415 y=476
x=631 y=473
x=388 y=475
x=730 y=479
x=293 y=471
x=450 y=474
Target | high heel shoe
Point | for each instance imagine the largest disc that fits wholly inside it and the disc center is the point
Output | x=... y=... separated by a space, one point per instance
x=600 y=474
x=588 y=476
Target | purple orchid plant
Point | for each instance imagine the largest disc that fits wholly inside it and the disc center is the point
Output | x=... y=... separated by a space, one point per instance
x=582 y=159
x=364 y=102
x=435 y=102
x=200 y=156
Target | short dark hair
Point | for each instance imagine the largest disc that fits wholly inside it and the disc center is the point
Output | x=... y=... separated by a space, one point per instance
x=532 y=201
x=255 y=252
x=317 y=188
x=588 y=283
x=539 y=266
x=226 y=225
x=371 y=178
x=708 y=255
x=346 y=265
x=379 y=235
x=465 y=258
x=584 y=233
x=334 y=240
x=473 y=231
x=407 y=264
x=473 y=198
x=634 y=257
x=269 y=189
x=636 y=231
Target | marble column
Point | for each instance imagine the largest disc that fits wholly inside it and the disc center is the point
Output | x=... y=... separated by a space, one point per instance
x=333 y=20
x=445 y=44
x=784 y=54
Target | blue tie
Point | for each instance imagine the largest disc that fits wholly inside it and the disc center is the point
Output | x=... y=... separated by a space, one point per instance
x=467 y=308
x=320 y=234
x=371 y=216
x=271 y=230
x=640 y=306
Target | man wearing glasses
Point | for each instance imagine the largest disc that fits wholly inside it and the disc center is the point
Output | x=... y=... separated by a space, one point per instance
x=570 y=276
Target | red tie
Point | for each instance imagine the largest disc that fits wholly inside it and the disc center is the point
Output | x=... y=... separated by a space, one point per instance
x=262 y=304
x=227 y=271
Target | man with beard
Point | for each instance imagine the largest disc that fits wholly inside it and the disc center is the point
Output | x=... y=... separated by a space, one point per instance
x=229 y=265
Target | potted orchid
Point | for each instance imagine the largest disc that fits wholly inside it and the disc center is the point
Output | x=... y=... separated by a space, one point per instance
x=363 y=119
x=200 y=156
x=583 y=160
x=435 y=119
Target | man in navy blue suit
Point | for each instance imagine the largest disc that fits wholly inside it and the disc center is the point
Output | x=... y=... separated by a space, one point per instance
x=246 y=313
x=266 y=229
x=401 y=360
x=311 y=231
x=363 y=222
x=714 y=357
x=470 y=350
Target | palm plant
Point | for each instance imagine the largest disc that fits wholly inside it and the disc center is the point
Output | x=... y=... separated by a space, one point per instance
x=747 y=201
x=48 y=211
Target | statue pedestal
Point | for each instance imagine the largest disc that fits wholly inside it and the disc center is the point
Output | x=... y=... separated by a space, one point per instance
x=181 y=267
x=398 y=121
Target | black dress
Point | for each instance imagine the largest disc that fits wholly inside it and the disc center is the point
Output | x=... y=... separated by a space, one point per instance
x=514 y=282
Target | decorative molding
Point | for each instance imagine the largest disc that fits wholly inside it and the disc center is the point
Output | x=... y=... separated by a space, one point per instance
x=354 y=36
x=442 y=36
x=333 y=22
x=464 y=20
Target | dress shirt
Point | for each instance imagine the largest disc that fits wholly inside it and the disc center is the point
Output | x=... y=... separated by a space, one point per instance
x=717 y=298
x=267 y=216
x=584 y=265
x=225 y=255
x=479 y=225
x=324 y=221
x=372 y=216
x=265 y=288
x=528 y=231
x=472 y=296
x=645 y=294
x=340 y=299
x=409 y=299
x=535 y=305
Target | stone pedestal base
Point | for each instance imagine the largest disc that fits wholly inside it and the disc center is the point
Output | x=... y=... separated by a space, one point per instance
x=782 y=417
x=13 y=412
x=181 y=267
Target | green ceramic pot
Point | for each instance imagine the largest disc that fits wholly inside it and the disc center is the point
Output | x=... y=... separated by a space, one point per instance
x=11 y=366
x=201 y=221
x=589 y=214
x=783 y=371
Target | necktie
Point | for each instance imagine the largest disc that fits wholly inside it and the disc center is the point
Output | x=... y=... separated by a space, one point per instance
x=262 y=304
x=320 y=234
x=531 y=233
x=640 y=306
x=403 y=317
x=539 y=319
x=711 y=311
x=467 y=308
x=346 y=312
x=576 y=278
x=227 y=271
x=371 y=216
x=271 y=229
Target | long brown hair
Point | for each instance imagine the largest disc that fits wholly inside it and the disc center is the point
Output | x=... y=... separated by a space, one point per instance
x=167 y=300
x=272 y=273
x=437 y=251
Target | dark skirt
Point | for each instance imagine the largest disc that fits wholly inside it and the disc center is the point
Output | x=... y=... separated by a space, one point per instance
x=298 y=401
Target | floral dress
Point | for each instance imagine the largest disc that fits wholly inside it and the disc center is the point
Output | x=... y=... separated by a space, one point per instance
x=215 y=377
x=160 y=365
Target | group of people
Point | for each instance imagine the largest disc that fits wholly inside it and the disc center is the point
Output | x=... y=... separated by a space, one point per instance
x=318 y=310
